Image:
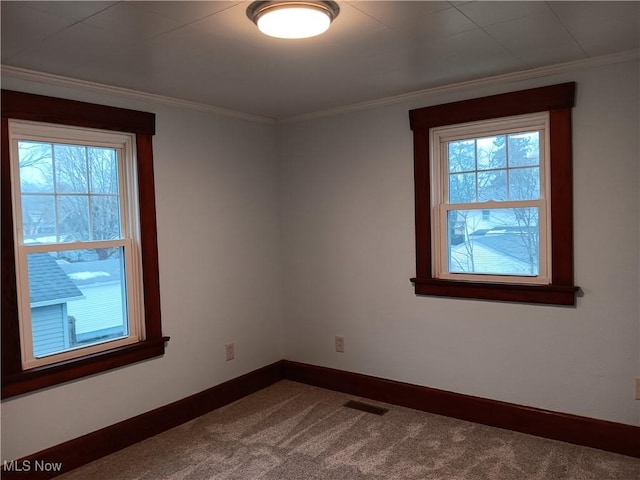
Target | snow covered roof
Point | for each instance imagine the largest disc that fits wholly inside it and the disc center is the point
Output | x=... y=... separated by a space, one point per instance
x=505 y=242
x=94 y=272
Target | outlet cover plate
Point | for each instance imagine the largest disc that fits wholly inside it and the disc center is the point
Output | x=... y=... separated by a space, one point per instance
x=230 y=351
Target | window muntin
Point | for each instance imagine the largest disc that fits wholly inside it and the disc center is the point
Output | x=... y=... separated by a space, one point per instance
x=69 y=192
x=500 y=167
x=490 y=203
x=75 y=202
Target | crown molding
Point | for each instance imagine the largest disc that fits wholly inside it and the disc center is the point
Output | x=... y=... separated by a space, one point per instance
x=522 y=75
x=61 y=81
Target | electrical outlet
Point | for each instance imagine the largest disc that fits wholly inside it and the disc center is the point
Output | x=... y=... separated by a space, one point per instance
x=339 y=344
x=230 y=351
x=638 y=388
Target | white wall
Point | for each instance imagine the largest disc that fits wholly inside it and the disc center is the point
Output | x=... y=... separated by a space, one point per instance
x=345 y=252
x=347 y=210
x=218 y=239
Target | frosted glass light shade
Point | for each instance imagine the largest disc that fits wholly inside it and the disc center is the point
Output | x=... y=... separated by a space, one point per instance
x=292 y=19
x=298 y=22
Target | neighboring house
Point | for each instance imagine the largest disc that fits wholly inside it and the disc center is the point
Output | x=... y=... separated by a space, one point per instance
x=496 y=243
x=57 y=325
x=50 y=289
x=102 y=315
x=495 y=252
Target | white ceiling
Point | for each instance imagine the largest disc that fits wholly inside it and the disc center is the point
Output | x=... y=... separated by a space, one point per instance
x=209 y=52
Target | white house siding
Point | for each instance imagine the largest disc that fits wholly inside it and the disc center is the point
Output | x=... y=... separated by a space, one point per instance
x=100 y=309
x=485 y=260
x=48 y=326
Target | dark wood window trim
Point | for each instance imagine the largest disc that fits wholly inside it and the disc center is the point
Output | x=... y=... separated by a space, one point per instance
x=558 y=100
x=24 y=106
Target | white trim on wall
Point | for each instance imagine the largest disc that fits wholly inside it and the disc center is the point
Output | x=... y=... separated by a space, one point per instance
x=628 y=56
x=57 y=80
x=60 y=81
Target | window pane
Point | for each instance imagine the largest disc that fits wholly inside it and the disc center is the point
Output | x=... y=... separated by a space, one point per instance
x=82 y=203
x=492 y=185
x=77 y=299
x=73 y=218
x=39 y=219
x=505 y=242
x=104 y=170
x=524 y=183
x=524 y=149
x=456 y=228
x=36 y=170
x=491 y=152
x=462 y=188
x=105 y=217
x=462 y=156
x=494 y=178
x=71 y=168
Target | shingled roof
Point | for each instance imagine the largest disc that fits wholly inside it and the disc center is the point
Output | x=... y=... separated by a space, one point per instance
x=48 y=284
x=507 y=241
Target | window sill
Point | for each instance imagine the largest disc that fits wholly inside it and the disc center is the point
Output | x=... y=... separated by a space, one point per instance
x=56 y=373
x=524 y=293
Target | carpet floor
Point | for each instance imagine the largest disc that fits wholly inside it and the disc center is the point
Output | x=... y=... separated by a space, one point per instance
x=292 y=431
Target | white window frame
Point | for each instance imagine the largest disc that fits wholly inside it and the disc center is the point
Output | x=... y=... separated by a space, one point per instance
x=440 y=206
x=125 y=145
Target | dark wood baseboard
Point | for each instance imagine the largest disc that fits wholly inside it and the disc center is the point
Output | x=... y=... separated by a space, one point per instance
x=589 y=432
x=90 y=447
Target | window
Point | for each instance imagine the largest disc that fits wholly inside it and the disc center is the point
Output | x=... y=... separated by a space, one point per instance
x=76 y=241
x=489 y=200
x=494 y=197
x=80 y=293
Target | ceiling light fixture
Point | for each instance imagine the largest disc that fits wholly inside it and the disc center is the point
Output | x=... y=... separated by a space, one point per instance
x=292 y=19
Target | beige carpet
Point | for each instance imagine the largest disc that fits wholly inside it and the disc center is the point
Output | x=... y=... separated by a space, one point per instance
x=291 y=431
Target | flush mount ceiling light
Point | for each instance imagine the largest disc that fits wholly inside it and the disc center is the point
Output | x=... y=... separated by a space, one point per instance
x=292 y=19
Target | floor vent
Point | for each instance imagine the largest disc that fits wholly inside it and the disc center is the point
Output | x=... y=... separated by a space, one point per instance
x=365 y=407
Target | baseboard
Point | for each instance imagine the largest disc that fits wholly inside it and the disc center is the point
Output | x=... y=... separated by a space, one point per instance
x=589 y=432
x=585 y=431
x=82 y=450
